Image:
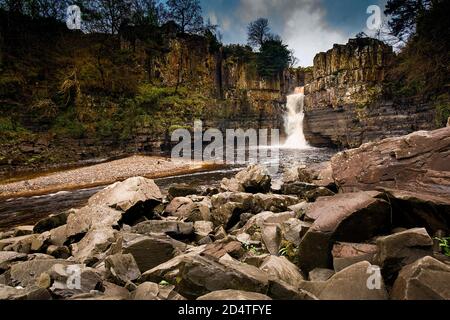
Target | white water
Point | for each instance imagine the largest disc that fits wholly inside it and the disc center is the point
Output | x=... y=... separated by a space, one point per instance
x=293 y=122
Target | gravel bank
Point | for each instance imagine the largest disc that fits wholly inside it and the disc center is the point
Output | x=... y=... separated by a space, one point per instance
x=100 y=174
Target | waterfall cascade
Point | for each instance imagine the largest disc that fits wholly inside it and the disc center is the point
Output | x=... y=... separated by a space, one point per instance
x=294 y=121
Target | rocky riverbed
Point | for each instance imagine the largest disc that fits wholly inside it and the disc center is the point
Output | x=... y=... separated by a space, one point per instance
x=369 y=225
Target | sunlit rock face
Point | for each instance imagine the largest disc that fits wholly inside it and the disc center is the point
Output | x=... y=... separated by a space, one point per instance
x=344 y=105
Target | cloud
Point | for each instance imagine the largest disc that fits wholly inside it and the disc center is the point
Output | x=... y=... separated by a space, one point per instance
x=301 y=23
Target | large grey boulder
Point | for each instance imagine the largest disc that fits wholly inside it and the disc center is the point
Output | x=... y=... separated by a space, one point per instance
x=354 y=217
x=236 y=295
x=194 y=275
x=151 y=251
x=426 y=279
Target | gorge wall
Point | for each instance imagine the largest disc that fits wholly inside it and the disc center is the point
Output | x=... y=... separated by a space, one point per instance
x=345 y=105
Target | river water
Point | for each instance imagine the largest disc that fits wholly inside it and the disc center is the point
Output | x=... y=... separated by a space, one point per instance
x=29 y=210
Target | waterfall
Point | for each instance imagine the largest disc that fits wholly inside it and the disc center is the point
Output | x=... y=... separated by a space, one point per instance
x=294 y=121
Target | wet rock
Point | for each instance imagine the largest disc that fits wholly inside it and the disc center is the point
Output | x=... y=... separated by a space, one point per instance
x=271 y=237
x=151 y=251
x=297 y=188
x=175 y=229
x=183 y=190
x=356 y=217
x=349 y=284
x=321 y=274
x=135 y=198
x=9 y=257
x=426 y=279
x=235 y=295
x=26 y=273
x=31 y=293
x=280 y=268
x=401 y=249
x=195 y=275
x=51 y=222
x=254 y=179
x=150 y=291
x=96 y=245
x=417 y=163
x=347 y=254
x=122 y=268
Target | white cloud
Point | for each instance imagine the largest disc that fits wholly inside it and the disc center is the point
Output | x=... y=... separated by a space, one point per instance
x=301 y=23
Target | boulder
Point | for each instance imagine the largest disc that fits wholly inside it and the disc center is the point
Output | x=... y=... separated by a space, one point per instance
x=183 y=190
x=293 y=230
x=218 y=250
x=203 y=229
x=175 y=229
x=151 y=251
x=271 y=237
x=194 y=275
x=9 y=257
x=58 y=236
x=96 y=245
x=253 y=179
x=18 y=244
x=417 y=163
x=273 y=203
x=350 y=217
x=179 y=207
x=227 y=208
x=91 y=217
x=448 y=122
x=426 y=279
x=23 y=231
x=70 y=280
x=26 y=273
x=352 y=283
x=403 y=248
x=150 y=291
x=61 y=252
x=51 y=222
x=280 y=290
x=313 y=195
x=319 y=274
x=115 y=292
x=122 y=268
x=135 y=197
x=300 y=189
x=236 y=295
x=280 y=268
x=347 y=254
x=30 y=293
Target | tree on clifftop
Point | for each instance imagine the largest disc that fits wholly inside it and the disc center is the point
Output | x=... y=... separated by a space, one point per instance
x=186 y=13
x=258 y=32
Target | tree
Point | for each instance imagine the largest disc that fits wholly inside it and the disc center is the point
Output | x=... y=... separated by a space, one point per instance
x=186 y=13
x=37 y=8
x=148 y=12
x=273 y=58
x=258 y=32
x=404 y=15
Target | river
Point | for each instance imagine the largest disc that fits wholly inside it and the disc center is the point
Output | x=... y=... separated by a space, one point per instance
x=29 y=210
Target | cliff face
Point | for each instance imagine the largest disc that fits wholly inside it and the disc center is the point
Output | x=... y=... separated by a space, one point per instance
x=344 y=105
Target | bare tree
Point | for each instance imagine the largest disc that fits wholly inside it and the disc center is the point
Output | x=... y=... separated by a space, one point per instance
x=186 y=13
x=258 y=32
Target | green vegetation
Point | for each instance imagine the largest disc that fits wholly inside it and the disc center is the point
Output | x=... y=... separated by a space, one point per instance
x=444 y=244
x=290 y=251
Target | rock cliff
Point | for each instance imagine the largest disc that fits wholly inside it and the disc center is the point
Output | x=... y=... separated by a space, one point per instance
x=344 y=102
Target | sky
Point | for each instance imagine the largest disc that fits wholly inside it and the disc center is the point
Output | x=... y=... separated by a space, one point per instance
x=307 y=26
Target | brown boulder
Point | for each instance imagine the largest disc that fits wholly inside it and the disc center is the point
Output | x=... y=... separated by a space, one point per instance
x=235 y=295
